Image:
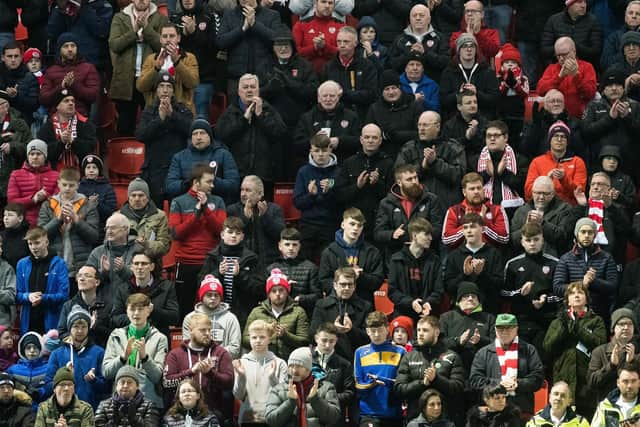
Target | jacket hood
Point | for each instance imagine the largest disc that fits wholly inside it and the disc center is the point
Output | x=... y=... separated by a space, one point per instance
x=268 y=357
x=221 y=309
x=30 y=333
x=344 y=245
x=333 y=161
x=128 y=10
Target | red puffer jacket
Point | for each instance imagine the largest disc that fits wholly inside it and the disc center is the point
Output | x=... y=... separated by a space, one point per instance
x=27 y=181
x=85 y=87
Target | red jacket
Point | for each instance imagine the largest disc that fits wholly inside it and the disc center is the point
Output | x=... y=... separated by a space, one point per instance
x=177 y=367
x=488 y=40
x=495 y=230
x=195 y=233
x=304 y=33
x=85 y=87
x=578 y=90
x=27 y=181
x=575 y=175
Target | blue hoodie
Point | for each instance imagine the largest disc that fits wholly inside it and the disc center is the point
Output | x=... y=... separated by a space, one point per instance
x=30 y=373
x=317 y=208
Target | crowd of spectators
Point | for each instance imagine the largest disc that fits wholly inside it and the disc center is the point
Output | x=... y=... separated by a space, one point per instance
x=466 y=223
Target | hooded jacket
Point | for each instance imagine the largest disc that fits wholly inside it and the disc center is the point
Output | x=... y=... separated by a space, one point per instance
x=253 y=388
x=363 y=254
x=609 y=413
x=227 y=179
x=18 y=413
x=152 y=225
x=455 y=322
x=30 y=373
x=107 y=202
x=317 y=208
x=390 y=16
x=292 y=317
x=89 y=357
x=123 y=47
x=55 y=294
x=214 y=384
x=621 y=181
x=226 y=328
x=27 y=181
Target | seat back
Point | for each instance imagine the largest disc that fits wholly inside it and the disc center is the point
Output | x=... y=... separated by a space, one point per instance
x=283 y=196
x=381 y=300
x=125 y=158
x=541 y=397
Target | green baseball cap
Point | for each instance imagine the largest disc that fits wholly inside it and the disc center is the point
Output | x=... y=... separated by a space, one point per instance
x=506 y=319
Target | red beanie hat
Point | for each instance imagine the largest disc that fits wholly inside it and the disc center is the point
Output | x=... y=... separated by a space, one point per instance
x=277 y=279
x=402 y=322
x=210 y=284
x=30 y=53
x=511 y=52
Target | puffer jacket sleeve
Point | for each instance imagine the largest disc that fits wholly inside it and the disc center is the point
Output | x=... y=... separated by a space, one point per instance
x=279 y=408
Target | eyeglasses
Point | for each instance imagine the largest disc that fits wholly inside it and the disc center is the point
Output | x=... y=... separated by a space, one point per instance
x=472 y=11
x=555 y=101
x=542 y=193
x=600 y=184
x=346 y=285
x=494 y=135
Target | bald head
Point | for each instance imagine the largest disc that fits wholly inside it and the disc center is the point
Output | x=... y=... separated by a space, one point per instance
x=370 y=139
x=428 y=126
x=554 y=102
x=564 y=49
x=419 y=18
x=542 y=192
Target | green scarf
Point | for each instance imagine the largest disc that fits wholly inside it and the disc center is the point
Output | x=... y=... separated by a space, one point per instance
x=137 y=334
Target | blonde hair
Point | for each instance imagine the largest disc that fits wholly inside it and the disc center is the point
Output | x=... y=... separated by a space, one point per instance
x=261 y=325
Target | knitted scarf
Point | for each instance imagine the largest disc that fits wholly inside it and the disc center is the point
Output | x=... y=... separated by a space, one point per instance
x=303 y=388
x=6 y=122
x=508 y=360
x=137 y=334
x=510 y=199
x=67 y=158
x=596 y=213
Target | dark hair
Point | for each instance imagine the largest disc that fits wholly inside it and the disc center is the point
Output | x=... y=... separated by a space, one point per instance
x=327 y=327
x=632 y=366
x=460 y=95
x=346 y=272
x=418 y=225
x=157 y=266
x=15 y=207
x=169 y=25
x=35 y=233
x=290 y=233
x=530 y=229
x=424 y=399
x=498 y=124
x=233 y=223
x=402 y=169
x=493 y=390
x=70 y=174
x=10 y=46
x=376 y=319
x=320 y=140
x=472 y=218
x=201 y=406
x=200 y=169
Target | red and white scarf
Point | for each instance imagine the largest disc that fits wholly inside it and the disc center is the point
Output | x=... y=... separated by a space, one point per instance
x=510 y=199
x=6 y=122
x=508 y=360
x=168 y=65
x=68 y=157
x=39 y=75
x=596 y=213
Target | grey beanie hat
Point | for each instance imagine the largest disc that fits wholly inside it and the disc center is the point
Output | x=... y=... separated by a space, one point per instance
x=584 y=221
x=77 y=313
x=39 y=145
x=620 y=314
x=138 y=184
x=300 y=357
x=128 y=371
x=465 y=38
x=630 y=37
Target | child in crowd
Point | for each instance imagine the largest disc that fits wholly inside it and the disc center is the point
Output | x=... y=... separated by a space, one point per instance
x=514 y=89
x=401 y=332
x=32 y=58
x=302 y=273
x=369 y=45
x=97 y=188
x=623 y=189
x=15 y=228
x=314 y=196
x=236 y=268
x=528 y=281
x=8 y=356
x=31 y=369
x=256 y=373
x=374 y=381
x=7 y=291
x=226 y=328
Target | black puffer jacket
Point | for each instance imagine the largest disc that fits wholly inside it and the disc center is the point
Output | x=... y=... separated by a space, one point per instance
x=585 y=32
x=532 y=16
x=248 y=51
x=455 y=322
x=303 y=278
x=509 y=417
x=446 y=16
x=17 y=413
x=359 y=82
x=436 y=51
x=485 y=81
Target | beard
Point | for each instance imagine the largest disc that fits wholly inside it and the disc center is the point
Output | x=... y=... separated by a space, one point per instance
x=412 y=191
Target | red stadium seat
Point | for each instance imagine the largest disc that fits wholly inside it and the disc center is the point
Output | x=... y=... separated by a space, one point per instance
x=125 y=158
x=175 y=335
x=163 y=9
x=528 y=105
x=121 y=190
x=21 y=34
x=541 y=397
x=382 y=301
x=283 y=196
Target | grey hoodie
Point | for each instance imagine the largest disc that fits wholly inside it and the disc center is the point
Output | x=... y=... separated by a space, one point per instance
x=226 y=328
